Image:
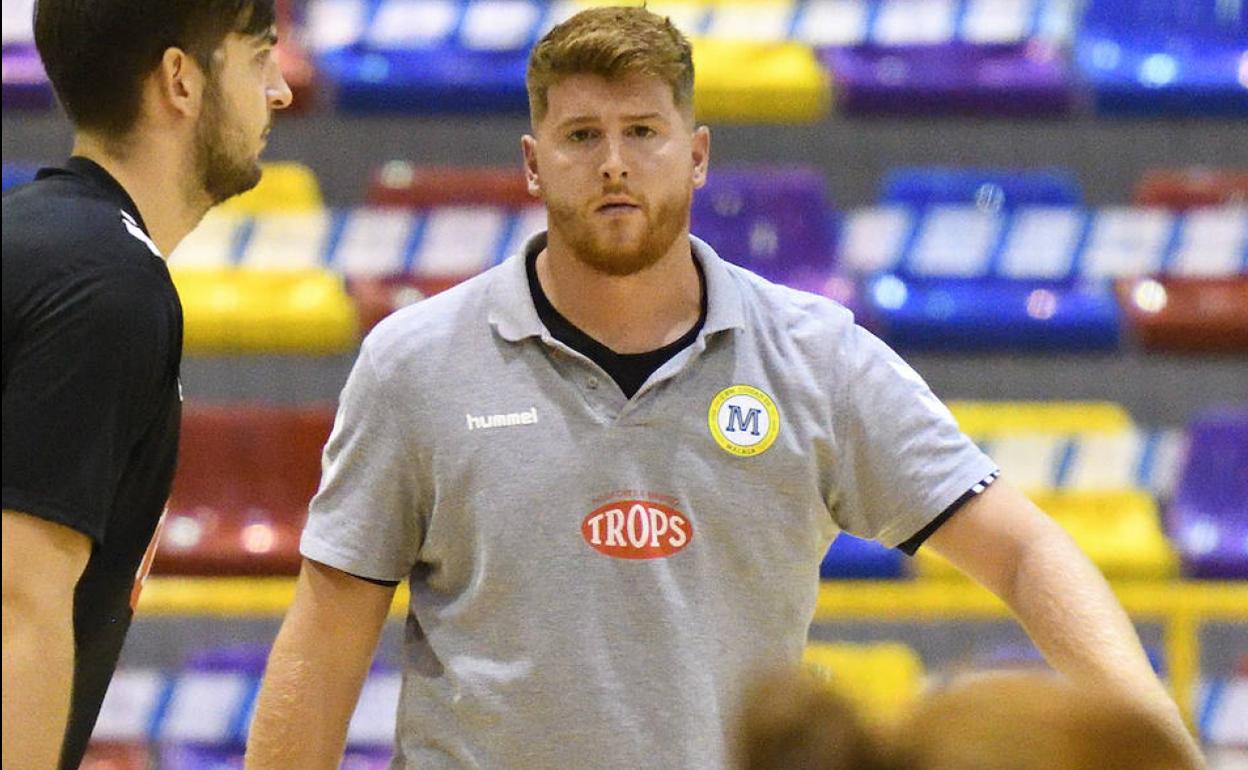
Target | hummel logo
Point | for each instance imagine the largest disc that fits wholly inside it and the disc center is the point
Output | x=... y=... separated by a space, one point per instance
x=528 y=417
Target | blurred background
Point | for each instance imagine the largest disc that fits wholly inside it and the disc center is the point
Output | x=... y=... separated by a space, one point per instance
x=1042 y=204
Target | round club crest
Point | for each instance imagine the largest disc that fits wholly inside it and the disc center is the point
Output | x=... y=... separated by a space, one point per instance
x=743 y=420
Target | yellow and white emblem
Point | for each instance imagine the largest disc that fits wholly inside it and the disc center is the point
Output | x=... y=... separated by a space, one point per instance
x=744 y=420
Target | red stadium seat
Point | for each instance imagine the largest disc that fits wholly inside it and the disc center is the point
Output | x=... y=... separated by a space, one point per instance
x=294 y=60
x=1191 y=188
x=240 y=498
x=1188 y=314
x=115 y=756
x=403 y=184
x=377 y=297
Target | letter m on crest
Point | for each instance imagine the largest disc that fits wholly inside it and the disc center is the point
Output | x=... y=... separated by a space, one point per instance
x=747 y=423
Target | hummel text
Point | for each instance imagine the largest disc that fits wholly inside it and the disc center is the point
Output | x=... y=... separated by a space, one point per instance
x=527 y=417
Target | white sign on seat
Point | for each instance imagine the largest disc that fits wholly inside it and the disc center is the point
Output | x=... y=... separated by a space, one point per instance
x=955 y=242
x=373 y=242
x=833 y=22
x=1041 y=243
x=873 y=238
x=1126 y=242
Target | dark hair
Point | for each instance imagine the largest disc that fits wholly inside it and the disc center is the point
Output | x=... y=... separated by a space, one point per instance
x=97 y=52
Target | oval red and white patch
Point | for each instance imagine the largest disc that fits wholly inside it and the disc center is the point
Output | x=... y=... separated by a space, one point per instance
x=637 y=529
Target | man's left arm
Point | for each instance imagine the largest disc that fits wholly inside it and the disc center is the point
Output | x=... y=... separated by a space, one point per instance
x=1006 y=543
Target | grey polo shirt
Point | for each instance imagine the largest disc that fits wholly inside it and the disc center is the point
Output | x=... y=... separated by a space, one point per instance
x=593 y=578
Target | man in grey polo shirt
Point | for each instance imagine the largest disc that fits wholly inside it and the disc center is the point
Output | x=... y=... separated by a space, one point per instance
x=609 y=468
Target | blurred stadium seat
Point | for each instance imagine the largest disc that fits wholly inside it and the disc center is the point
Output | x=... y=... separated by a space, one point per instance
x=403 y=184
x=989 y=190
x=994 y=419
x=24 y=83
x=750 y=82
x=245 y=477
x=852 y=558
x=1208 y=518
x=16 y=173
x=284 y=186
x=881 y=679
x=1178 y=57
x=1120 y=531
x=303 y=312
x=933 y=57
x=771 y=220
x=1181 y=189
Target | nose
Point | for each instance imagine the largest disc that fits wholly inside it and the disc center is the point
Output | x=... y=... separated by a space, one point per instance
x=613 y=167
x=278 y=91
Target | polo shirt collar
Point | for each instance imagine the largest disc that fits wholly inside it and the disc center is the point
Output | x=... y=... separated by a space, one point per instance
x=512 y=312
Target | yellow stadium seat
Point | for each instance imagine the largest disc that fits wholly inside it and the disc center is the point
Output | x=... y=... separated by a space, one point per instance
x=284 y=186
x=758 y=82
x=881 y=679
x=1119 y=530
x=747 y=72
x=264 y=311
x=989 y=419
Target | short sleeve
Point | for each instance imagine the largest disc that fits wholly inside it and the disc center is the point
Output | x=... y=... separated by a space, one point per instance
x=900 y=458
x=85 y=362
x=364 y=518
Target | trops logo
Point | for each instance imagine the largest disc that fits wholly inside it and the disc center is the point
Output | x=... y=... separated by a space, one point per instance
x=637 y=529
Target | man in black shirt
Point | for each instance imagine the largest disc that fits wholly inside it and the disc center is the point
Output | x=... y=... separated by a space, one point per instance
x=171 y=103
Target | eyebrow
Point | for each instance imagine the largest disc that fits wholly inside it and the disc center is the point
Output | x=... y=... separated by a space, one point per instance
x=579 y=119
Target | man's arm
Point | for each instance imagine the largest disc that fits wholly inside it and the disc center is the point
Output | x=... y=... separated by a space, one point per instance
x=1002 y=540
x=316 y=670
x=42 y=564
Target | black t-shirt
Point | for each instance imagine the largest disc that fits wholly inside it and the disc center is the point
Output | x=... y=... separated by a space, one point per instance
x=92 y=405
x=629 y=370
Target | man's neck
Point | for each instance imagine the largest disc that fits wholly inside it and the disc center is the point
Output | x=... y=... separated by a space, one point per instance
x=155 y=175
x=629 y=314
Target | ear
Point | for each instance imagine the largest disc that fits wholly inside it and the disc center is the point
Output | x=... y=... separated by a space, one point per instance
x=528 y=145
x=179 y=84
x=701 y=155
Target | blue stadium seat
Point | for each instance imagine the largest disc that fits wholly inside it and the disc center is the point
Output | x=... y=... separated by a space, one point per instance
x=16 y=173
x=852 y=558
x=1030 y=277
x=439 y=56
x=988 y=189
x=1178 y=57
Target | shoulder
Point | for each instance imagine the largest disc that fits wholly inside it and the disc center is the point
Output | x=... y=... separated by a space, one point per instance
x=57 y=220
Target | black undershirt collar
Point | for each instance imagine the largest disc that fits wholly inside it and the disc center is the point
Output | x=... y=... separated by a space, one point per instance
x=629 y=370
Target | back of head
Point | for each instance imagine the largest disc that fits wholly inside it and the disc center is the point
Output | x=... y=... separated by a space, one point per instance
x=611 y=42
x=793 y=722
x=1030 y=721
x=98 y=52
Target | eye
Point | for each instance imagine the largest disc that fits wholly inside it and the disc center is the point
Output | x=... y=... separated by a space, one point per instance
x=582 y=135
x=643 y=132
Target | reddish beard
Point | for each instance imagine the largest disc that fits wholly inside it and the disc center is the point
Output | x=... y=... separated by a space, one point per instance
x=616 y=253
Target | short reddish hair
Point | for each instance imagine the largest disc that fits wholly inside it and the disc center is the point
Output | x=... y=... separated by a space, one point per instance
x=612 y=42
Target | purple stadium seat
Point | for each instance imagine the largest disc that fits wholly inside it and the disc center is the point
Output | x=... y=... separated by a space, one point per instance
x=1026 y=79
x=773 y=221
x=26 y=85
x=1208 y=519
